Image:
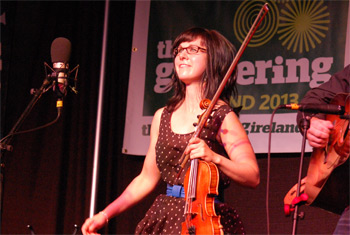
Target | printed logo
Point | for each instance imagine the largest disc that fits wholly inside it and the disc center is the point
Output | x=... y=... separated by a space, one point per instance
x=300 y=24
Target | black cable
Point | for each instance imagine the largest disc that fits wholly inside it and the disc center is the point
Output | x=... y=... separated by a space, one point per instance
x=33 y=129
x=268 y=170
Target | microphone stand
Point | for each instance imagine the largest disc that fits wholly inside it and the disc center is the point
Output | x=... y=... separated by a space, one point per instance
x=296 y=215
x=5 y=145
x=31 y=229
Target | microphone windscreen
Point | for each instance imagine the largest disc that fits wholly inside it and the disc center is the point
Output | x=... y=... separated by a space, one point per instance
x=60 y=50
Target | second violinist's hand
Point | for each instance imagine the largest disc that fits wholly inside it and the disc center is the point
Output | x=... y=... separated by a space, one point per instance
x=197 y=148
x=342 y=148
x=319 y=131
x=93 y=224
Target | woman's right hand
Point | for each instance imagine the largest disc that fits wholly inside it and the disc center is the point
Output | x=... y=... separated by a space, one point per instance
x=93 y=224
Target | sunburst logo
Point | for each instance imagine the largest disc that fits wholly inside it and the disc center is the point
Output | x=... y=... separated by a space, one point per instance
x=303 y=24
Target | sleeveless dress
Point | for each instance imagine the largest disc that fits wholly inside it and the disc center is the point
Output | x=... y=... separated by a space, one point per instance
x=167 y=212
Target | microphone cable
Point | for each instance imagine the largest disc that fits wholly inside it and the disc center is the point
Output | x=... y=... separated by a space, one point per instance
x=268 y=170
x=29 y=130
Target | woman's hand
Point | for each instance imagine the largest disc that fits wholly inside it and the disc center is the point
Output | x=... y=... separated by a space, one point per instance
x=319 y=131
x=93 y=224
x=197 y=148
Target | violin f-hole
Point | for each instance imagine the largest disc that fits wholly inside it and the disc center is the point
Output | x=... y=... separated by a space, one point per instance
x=201 y=212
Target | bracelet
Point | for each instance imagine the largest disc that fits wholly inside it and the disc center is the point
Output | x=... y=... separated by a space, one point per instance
x=105 y=215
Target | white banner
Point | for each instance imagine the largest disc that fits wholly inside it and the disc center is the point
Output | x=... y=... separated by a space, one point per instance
x=276 y=69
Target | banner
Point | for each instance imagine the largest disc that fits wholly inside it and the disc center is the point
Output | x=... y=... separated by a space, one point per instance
x=298 y=46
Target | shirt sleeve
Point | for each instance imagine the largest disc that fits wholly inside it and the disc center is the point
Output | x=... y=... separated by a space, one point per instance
x=323 y=94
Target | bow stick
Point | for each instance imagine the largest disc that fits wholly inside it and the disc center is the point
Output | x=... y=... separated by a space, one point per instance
x=263 y=11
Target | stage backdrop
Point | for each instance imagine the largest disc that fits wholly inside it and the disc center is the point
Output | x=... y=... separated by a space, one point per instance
x=297 y=47
x=48 y=173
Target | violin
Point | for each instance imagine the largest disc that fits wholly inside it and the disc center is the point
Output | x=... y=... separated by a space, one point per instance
x=200 y=215
x=202 y=178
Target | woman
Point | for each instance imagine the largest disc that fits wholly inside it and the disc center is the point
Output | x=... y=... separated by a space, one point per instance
x=201 y=60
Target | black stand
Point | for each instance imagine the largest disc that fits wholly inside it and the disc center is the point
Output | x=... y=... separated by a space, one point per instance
x=5 y=145
x=296 y=215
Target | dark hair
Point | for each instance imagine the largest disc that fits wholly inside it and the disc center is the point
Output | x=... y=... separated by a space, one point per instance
x=220 y=54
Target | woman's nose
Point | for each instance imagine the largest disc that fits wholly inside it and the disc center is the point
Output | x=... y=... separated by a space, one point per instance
x=183 y=54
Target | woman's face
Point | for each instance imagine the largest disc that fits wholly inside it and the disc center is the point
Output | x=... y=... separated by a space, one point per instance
x=191 y=61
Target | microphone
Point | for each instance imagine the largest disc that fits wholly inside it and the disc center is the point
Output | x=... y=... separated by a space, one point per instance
x=317 y=108
x=60 y=54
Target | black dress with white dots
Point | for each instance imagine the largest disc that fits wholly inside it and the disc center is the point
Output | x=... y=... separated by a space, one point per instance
x=167 y=212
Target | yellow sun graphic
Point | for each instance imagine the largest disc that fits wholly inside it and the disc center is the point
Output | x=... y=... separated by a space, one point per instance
x=302 y=24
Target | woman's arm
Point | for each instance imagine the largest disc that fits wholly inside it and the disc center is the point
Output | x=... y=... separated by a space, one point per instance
x=138 y=189
x=241 y=166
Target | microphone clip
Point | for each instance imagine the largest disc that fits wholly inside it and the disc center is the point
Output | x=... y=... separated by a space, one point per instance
x=61 y=78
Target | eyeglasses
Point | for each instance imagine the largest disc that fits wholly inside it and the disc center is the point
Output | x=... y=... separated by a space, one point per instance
x=190 y=50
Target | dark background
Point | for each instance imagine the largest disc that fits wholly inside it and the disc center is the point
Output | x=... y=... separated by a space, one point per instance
x=47 y=177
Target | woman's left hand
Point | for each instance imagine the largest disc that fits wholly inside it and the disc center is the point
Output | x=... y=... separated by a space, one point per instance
x=197 y=148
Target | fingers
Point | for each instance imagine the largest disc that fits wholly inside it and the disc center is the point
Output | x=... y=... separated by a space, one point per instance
x=303 y=180
x=321 y=125
x=192 y=145
x=317 y=140
x=195 y=140
x=89 y=227
x=319 y=131
x=197 y=148
x=85 y=228
x=342 y=148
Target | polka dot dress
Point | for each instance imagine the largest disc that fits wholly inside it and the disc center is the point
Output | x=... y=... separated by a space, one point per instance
x=167 y=213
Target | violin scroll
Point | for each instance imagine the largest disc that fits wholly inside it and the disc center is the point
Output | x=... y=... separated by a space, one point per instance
x=204 y=104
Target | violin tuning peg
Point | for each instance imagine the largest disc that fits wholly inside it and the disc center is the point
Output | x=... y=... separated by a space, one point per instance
x=195 y=124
